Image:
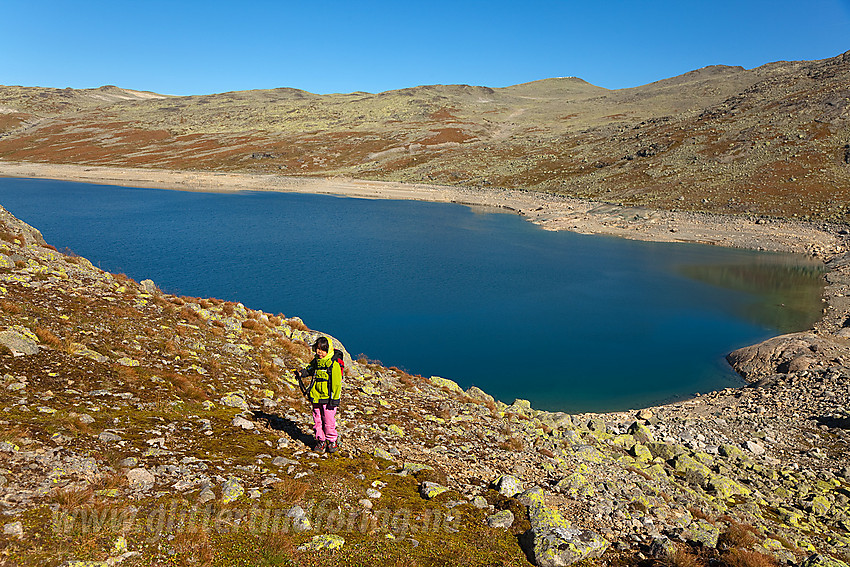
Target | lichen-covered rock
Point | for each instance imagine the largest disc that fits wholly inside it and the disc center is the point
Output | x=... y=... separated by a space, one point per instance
x=235 y=400
x=818 y=560
x=551 y=541
x=502 y=519
x=703 y=532
x=395 y=430
x=431 y=490
x=641 y=432
x=323 y=541
x=413 y=468
x=690 y=466
x=20 y=343
x=382 y=454
x=641 y=453
x=726 y=487
x=508 y=485
x=575 y=485
x=231 y=490
x=478 y=394
x=665 y=451
x=731 y=451
x=446 y=383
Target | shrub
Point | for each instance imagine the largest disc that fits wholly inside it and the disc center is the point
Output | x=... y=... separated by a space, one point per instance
x=189 y=315
x=11 y=308
x=736 y=535
x=253 y=325
x=512 y=444
x=298 y=324
x=682 y=557
x=45 y=336
x=290 y=490
x=187 y=386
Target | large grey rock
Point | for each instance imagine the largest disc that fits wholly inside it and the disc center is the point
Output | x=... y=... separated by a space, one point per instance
x=18 y=343
x=140 y=479
x=551 y=541
x=783 y=354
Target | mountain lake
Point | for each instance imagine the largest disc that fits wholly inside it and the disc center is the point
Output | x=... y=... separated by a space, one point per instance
x=570 y=322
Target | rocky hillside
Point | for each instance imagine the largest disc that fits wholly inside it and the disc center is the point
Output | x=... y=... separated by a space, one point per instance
x=140 y=428
x=772 y=141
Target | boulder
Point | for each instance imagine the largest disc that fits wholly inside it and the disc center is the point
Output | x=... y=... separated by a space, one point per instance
x=551 y=541
x=231 y=490
x=508 y=485
x=140 y=479
x=14 y=529
x=783 y=354
x=18 y=342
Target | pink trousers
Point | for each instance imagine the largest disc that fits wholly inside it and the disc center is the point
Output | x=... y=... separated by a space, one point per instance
x=324 y=422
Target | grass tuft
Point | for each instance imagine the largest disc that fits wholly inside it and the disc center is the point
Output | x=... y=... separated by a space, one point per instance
x=48 y=338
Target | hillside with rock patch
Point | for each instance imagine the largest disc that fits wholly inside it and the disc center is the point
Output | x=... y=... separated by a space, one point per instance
x=141 y=428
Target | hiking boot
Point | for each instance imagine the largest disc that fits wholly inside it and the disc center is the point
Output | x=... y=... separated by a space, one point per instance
x=332 y=447
x=320 y=446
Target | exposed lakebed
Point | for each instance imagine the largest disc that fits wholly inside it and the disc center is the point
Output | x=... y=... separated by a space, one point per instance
x=570 y=322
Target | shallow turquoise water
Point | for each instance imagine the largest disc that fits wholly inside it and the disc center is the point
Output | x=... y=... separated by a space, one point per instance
x=570 y=322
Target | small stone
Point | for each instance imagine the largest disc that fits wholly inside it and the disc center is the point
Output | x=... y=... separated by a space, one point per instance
x=502 y=519
x=480 y=502
x=231 y=490
x=206 y=495
x=373 y=493
x=14 y=529
x=755 y=447
x=140 y=479
x=129 y=462
x=429 y=490
x=240 y=421
x=235 y=400
x=508 y=485
x=324 y=541
x=108 y=437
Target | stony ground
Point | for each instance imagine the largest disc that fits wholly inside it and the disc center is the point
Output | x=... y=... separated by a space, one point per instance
x=142 y=428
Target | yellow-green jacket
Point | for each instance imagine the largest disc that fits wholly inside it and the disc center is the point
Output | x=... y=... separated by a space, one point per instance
x=328 y=384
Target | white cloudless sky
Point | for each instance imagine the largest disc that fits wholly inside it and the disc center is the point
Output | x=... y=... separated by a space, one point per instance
x=200 y=47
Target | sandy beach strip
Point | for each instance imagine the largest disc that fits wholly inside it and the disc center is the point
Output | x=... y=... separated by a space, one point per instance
x=551 y=212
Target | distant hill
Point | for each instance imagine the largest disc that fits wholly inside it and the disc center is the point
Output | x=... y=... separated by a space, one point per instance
x=774 y=140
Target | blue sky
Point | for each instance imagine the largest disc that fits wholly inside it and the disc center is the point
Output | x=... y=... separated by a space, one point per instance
x=199 y=47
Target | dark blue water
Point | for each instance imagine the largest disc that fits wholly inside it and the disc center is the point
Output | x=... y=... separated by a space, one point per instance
x=570 y=322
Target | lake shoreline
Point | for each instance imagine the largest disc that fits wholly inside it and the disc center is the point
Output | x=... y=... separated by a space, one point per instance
x=549 y=211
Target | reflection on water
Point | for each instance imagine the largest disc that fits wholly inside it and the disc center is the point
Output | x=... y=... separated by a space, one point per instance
x=785 y=291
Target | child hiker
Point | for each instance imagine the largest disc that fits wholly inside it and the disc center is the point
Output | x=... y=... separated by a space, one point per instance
x=326 y=372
